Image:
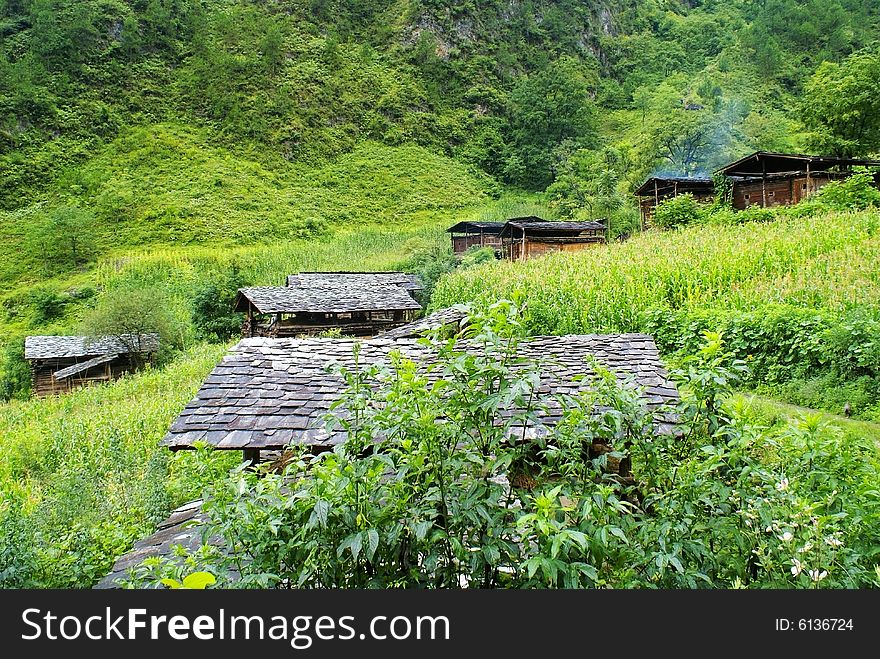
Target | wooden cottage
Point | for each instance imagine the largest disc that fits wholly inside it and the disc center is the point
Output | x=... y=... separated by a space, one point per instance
x=523 y=239
x=62 y=363
x=475 y=234
x=355 y=305
x=776 y=179
x=267 y=394
x=660 y=188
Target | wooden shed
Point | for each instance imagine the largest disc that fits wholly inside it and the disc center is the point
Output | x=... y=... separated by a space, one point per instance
x=476 y=234
x=523 y=239
x=357 y=306
x=660 y=188
x=62 y=363
x=267 y=394
x=769 y=179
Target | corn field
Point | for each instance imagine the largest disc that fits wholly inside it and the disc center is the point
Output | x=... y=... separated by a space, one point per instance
x=829 y=262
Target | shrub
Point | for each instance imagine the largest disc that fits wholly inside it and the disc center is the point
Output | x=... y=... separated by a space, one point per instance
x=212 y=306
x=678 y=212
x=419 y=496
x=756 y=214
x=47 y=306
x=15 y=372
x=856 y=192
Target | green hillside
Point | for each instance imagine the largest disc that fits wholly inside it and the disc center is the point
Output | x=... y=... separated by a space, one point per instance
x=167 y=152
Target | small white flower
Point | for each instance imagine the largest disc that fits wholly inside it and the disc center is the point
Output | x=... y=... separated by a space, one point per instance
x=749 y=523
x=786 y=537
x=782 y=485
x=815 y=575
x=796 y=567
x=834 y=542
x=769 y=529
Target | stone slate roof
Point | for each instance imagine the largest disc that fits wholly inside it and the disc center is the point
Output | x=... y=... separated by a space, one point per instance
x=441 y=318
x=354 y=280
x=183 y=527
x=552 y=227
x=330 y=299
x=55 y=347
x=491 y=228
x=269 y=393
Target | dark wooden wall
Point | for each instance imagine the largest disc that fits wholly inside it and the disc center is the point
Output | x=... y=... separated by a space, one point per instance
x=777 y=191
x=538 y=247
x=359 y=323
x=43 y=384
x=461 y=244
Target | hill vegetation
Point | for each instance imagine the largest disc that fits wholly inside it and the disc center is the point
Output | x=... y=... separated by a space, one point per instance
x=183 y=148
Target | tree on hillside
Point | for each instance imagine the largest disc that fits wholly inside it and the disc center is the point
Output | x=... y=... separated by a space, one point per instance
x=212 y=305
x=841 y=106
x=128 y=313
x=687 y=131
x=548 y=109
x=65 y=238
x=588 y=185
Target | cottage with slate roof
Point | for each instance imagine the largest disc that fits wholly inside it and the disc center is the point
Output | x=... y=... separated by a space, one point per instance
x=660 y=188
x=62 y=363
x=769 y=179
x=269 y=393
x=524 y=239
x=356 y=303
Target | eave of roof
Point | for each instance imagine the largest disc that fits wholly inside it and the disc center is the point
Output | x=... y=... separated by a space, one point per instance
x=64 y=347
x=292 y=299
x=734 y=168
x=690 y=181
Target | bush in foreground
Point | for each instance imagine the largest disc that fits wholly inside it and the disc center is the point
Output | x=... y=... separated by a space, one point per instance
x=425 y=492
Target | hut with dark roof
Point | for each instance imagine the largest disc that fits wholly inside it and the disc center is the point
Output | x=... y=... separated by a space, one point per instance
x=475 y=234
x=523 y=239
x=62 y=363
x=267 y=394
x=357 y=304
x=659 y=188
x=770 y=179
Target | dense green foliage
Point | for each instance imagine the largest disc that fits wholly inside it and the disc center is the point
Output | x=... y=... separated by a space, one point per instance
x=731 y=503
x=82 y=476
x=796 y=297
x=159 y=153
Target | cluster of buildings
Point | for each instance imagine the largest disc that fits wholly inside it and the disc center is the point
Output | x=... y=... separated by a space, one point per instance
x=763 y=179
x=368 y=304
x=274 y=389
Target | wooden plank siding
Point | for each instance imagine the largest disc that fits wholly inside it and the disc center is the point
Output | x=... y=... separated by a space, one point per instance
x=778 y=190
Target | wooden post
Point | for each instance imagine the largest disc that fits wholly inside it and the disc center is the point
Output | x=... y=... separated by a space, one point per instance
x=808 y=178
x=523 y=255
x=764 y=184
